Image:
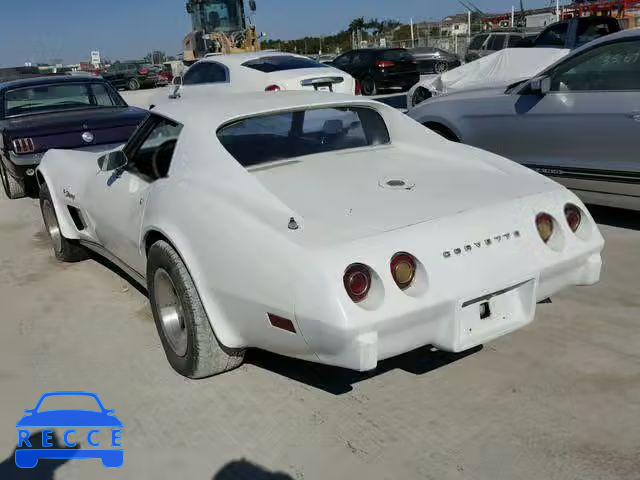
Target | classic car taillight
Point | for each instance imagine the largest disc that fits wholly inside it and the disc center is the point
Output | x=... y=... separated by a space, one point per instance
x=385 y=64
x=358 y=89
x=143 y=71
x=544 y=224
x=23 y=145
x=573 y=216
x=357 y=282
x=403 y=269
x=272 y=88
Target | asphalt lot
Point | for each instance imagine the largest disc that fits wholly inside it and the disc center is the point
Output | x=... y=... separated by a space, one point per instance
x=559 y=399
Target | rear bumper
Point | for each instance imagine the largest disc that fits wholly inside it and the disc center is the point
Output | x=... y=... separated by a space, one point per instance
x=453 y=324
x=398 y=80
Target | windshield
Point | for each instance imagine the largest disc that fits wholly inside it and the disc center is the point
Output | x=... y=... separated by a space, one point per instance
x=217 y=15
x=280 y=136
x=279 y=63
x=60 y=97
x=68 y=402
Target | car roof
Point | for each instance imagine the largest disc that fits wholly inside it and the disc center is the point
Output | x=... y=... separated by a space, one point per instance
x=48 y=79
x=215 y=110
x=237 y=59
x=625 y=34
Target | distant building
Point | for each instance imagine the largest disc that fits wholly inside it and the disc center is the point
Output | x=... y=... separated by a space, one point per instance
x=539 y=20
x=455 y=25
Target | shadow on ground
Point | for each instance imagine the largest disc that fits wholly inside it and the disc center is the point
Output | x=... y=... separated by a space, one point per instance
x=44 y=470
x=244 y=470
x=616 y=217
x=338 y=381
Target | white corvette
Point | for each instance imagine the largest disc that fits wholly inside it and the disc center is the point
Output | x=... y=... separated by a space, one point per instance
x=324 y=227
x=269 y=71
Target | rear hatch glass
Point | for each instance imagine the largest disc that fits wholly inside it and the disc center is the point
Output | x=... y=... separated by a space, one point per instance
x=278 y=63
x=281 y=136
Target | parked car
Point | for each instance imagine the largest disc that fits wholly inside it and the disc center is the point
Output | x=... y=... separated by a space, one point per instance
x=434 y=60
x=368 y=220
x=378 y=69
x=577 y=121
x=485 y=44
x=499 y=69
x=131 y=75
x=575 y=32
x=165 y=74
x=60 y=111
x=257 y=72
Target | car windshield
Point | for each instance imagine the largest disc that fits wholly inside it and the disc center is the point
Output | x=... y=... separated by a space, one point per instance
x=59 y=97
x=69 y=402
x=281 y=136
x=279 y=63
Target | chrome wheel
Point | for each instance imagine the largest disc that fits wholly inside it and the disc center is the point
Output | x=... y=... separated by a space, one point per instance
x=441 y=67
x=170 y=311
x=51 y=223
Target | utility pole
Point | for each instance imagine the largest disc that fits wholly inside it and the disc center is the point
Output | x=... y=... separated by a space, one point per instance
x=513 y=16
x=413 y=44
x=469 y=21
x=557 y=10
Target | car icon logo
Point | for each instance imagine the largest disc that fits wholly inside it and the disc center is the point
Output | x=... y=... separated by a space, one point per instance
x=96 y=421
x=87 y=137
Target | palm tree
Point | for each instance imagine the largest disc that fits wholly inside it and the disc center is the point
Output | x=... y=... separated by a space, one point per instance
x=357 y=24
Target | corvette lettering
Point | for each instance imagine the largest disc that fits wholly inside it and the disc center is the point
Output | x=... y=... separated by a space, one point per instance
x=487 y=242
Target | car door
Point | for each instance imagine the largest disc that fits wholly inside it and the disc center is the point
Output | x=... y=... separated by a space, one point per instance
x=344 y=62
x=585 y=129
x=205 y=75
x=117 y=198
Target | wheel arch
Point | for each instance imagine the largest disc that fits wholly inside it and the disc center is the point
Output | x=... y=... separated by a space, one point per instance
x=220 y=323
x=443 y=129
x=65 y=222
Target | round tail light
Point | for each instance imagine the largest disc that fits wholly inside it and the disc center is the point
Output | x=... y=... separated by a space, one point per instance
x=357 y=282
x=544 y=224
x=403 y=269
x=272 y=88
x=573 y=216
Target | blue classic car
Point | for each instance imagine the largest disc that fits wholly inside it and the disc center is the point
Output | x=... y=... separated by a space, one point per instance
x=69 y=112
x=28 y=454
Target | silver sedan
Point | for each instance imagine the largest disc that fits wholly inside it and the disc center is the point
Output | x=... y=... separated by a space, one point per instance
x=578 y=121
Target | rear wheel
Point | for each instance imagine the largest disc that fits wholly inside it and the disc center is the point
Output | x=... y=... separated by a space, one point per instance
x=441 y=67
x=133 y=84
x=65 y=250
x=13 y=187
x=183 y=325
x=369 y=86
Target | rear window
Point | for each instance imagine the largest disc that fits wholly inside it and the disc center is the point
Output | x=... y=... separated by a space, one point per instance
x=68 y=96
x=281 y=136
x=396 y=55
x=278 y=63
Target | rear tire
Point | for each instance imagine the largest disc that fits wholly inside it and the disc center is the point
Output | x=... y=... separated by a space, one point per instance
x=441 y=67
x=133 y=84
x=188 y=340
x=64 y=250
x=13 y=188
x=369 y=86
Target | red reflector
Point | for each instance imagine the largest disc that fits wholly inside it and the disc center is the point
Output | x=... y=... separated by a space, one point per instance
x=385 y=64
x=272 y=88
x=282 y=323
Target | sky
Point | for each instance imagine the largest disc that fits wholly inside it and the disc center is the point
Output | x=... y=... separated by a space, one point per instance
x=42 y=30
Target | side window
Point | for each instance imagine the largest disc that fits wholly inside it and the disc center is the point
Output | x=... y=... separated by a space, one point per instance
x=343 y=60
x=593 y=28
x=514 y=40
x=205 y=72
x=151 y=151
x=554 y=36
x=477 y=41
x=496 y=42
x=361 y=58
x=610 y=67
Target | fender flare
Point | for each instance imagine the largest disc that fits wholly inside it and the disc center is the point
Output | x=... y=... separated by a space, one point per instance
x=65 y=222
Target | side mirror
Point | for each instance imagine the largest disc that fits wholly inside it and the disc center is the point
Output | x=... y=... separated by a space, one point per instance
x=539 y=85
x=177 y=80
x=112 y=161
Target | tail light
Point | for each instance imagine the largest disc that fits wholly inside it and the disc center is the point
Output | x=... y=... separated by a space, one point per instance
x=573 y=216
x=385 y=64
x=403 y=269
x=414 y=61
x=358 y=90
x=143 y=71
x=544 y=224
x=23 y=145
x=357 y=282
x=272 y=88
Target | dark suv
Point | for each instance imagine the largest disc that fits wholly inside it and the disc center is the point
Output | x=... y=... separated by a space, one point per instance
x=485 y=44
x=132 y=75
x=378 y=69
